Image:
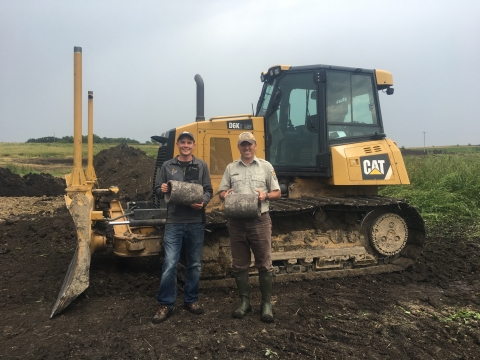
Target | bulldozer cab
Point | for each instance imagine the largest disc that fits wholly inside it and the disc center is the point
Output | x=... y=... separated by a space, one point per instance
x=310 y=108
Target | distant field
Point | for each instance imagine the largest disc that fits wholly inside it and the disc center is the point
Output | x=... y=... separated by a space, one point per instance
x=52 y=158
x=445 y=149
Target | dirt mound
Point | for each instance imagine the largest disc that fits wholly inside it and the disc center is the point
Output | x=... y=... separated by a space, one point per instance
x=128 y=168
x=30 y=184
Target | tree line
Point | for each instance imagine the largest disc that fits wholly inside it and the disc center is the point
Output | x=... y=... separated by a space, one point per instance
x=96 y=140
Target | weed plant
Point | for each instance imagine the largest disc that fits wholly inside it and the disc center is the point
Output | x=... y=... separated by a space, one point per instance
x=445 y=188
x=463 y=314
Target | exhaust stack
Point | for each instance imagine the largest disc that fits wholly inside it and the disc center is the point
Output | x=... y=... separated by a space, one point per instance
x=200 y=98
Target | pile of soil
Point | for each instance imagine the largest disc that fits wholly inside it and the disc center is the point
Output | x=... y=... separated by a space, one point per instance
x=30 y=184
x=128 y=168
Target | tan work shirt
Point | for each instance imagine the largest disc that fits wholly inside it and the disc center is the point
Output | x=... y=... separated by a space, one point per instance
x=244 y=179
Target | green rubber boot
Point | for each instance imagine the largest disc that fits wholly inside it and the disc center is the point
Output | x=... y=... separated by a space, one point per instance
x=241 y=279
x=265 y=279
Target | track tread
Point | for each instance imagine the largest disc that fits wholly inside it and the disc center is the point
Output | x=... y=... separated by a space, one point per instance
x=365 y=204
x=286 y=206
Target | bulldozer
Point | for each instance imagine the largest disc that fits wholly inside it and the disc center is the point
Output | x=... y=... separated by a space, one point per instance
x=321 y=128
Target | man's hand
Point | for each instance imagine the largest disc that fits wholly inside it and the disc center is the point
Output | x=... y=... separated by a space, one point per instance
x=272 y=195
x=261 y=195
x=225 y=193
x=164 y=188
x=197 y=206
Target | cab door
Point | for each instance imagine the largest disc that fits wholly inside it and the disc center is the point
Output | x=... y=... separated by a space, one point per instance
x=293 y=124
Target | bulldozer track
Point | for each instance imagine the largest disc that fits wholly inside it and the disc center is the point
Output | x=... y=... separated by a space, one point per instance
x=290 y=206
x=363 y=205
x=309 y=275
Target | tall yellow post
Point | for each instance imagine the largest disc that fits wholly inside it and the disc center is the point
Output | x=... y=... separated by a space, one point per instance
x=80 y=203
x=77 y=180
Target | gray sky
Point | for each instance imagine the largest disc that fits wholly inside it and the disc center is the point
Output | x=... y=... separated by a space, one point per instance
x=140 y=57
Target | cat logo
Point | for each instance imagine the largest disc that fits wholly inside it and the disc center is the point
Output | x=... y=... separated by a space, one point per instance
x=376 y=167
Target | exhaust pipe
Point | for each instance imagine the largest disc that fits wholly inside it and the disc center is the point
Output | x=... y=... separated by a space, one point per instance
x=200 y=98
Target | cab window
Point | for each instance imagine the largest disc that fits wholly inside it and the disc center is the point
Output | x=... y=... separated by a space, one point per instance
x=351 y=109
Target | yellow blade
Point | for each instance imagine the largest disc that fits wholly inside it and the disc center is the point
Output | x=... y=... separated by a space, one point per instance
x=77 y=277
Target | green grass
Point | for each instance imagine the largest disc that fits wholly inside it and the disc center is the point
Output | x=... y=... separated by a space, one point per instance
x=445 y=188
x=463 y=315
x=462 y=149
x=60 y=172
x=60 y=150
x=16 y=156
x=20 y=169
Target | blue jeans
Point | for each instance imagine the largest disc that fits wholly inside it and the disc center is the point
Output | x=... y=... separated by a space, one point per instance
x=191 y=236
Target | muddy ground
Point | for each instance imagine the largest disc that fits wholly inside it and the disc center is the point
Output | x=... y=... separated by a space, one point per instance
x=430 y=311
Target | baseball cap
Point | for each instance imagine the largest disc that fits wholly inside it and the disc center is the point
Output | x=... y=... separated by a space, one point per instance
x=186 y=133
x=248 y=137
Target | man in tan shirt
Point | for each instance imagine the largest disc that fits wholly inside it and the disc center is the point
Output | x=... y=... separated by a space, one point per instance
x=251 y=175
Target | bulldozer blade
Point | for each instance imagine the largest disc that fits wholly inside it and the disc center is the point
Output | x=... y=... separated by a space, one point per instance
x=77 y=277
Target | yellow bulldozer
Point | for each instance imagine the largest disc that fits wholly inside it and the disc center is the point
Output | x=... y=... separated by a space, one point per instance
x=322 y=130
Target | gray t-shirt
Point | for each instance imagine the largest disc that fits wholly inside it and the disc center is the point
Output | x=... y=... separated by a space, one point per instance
x=244 y=179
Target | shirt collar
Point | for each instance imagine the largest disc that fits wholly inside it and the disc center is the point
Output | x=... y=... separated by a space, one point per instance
x=191 y=161
x=255 y=159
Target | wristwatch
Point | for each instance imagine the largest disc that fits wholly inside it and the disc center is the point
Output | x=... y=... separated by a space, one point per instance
x=266 y=196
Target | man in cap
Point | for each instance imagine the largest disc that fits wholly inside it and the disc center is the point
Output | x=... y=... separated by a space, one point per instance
x=251 y=175
x=185 y=226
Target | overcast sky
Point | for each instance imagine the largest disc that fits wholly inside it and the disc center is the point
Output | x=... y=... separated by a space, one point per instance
x=140 y=58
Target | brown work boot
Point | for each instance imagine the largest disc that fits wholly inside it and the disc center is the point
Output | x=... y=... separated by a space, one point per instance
x=194 y=308
x=162 y=314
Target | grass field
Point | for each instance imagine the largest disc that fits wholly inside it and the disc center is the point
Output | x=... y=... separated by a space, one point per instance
x=445 y=188
x=53 y=158
x=60 y=150
x=459 y=149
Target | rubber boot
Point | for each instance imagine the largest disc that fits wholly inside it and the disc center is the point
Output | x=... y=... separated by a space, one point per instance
x=265 y=279
x=241 y=279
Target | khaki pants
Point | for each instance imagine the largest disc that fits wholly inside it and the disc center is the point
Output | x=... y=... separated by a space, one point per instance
x=255 y=234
